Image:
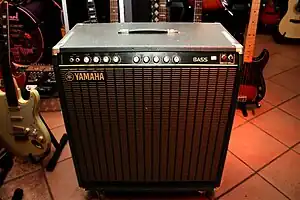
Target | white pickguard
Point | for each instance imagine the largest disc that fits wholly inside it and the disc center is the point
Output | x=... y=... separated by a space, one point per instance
x=287 y=28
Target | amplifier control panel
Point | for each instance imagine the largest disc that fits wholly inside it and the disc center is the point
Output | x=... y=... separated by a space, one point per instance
x=154 y=58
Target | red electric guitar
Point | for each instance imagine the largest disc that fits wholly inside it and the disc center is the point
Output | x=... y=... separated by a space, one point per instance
x=269 y=15
x=253 y=88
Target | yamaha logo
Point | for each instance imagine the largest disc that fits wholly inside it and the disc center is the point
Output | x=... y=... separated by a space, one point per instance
x=84 y=76
x=69 y=76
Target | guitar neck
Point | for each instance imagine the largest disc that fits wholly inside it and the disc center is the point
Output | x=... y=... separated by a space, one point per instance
x=8 y=80
x=198 y=11
x=114 y=11
x=251 y=32
x=162 y=10
x=92 y=11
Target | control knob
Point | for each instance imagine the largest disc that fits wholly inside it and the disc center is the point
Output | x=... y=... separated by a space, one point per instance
x=176 y=59
x=156 y=59
x=116 y=59
x=166 y=59
x=106 y=59
x=136 y=59
x=96 y=59
x=86 y=59
x=146 y=59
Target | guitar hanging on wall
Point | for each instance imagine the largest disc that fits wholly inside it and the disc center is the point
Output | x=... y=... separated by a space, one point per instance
x=92 y=14
x=198 y=10
x=22 y=131
x=113 y=8
x=252 y=84
x=159 y=11
x=114 y=11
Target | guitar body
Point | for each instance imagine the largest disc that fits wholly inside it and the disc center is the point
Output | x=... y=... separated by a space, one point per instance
x=269 y=15
x=252 y=86
x=20 y=78
x=38 y=141
x=289 y=26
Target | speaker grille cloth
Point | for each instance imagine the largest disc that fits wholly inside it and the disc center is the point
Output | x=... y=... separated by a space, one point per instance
x=149 y=124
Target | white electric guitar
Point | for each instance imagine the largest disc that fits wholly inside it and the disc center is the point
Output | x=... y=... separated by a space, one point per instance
x=289 y=26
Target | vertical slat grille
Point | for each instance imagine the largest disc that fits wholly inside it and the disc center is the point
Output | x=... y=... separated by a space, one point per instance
x=149 y=124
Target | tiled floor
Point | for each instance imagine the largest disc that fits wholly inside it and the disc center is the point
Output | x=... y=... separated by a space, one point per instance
x=263 y=161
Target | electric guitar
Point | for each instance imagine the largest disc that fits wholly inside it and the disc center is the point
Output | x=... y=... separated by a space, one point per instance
x=252 y=84
x=269 y=15
x=22 y=131
x=210 y=4
x=289 y=26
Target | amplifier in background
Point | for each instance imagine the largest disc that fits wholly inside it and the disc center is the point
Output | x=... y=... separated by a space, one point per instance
x=148 y=106
x=42 y=78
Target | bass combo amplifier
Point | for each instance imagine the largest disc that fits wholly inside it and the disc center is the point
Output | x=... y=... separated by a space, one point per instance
x=148 y=106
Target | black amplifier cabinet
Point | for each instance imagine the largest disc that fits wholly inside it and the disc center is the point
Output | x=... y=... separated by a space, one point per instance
x=148 y=106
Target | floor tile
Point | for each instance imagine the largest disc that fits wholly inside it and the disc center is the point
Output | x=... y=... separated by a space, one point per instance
x=53 y=119
x=280 y=125
x=233 y=166
x=265 y=106
x=254 y=146
x=297 y=148
x=20 y=168
x=291 y=51
x=277 y=64
x=292 y=107
x=263 y=38
x=66 y=153
x=255 y=188
x=277 y=94
x=33 y=185
x=238 y=120
x=284 y=174
x=63 y=182
x=289 y=79
x=270 y=46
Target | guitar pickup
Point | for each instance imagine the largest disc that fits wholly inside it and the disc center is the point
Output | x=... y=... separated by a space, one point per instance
x=14 y=109
x=242 y=99
x=21 y=137
x=18 y=129
x=16 y=118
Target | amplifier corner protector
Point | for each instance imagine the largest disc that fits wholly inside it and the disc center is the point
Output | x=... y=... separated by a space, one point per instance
x=239 y=48
x=55 y=51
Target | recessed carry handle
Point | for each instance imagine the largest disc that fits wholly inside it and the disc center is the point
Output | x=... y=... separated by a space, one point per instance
x=147 y=31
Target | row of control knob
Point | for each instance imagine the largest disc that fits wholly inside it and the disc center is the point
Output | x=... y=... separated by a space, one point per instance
x=96 y=59
x=156 y=59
